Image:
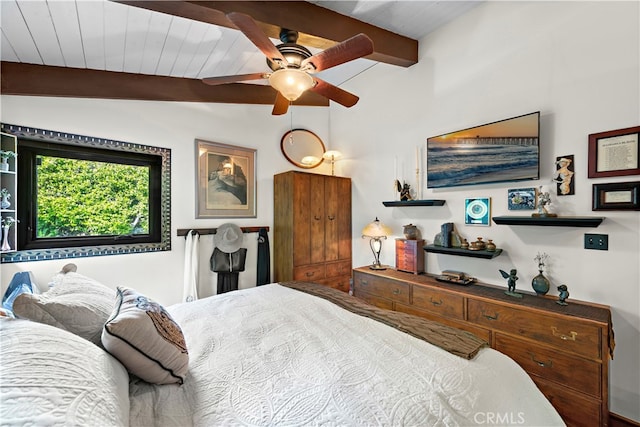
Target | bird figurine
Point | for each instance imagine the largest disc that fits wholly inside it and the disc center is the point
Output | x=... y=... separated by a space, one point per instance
x=564 y=294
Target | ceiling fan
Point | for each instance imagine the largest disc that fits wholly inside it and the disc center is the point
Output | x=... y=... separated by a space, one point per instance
x=293 y=65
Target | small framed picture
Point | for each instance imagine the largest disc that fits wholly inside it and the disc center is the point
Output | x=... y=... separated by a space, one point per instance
x=614 y=153
x=477 y=211
x=619 y=196
x=564 y=176
x=521 y=199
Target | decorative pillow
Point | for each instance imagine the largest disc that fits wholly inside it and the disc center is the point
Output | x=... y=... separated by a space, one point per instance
x=75 y=303
x=52 y=377
x=142 y=335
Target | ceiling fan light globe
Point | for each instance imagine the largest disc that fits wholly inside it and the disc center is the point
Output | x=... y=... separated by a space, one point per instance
x=291 y=83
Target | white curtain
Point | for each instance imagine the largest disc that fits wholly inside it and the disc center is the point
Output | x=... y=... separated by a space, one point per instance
x=190 y=290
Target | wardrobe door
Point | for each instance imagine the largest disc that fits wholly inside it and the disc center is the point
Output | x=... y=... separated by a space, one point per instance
x=317 y=218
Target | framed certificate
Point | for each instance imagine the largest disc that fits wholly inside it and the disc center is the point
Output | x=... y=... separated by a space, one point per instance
x=617 y=196
x=614 y=153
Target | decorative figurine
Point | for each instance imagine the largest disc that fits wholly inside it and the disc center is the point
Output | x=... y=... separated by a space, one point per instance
x=564 y=294
x=543 y=201
x=404 y=190
x=511 y=282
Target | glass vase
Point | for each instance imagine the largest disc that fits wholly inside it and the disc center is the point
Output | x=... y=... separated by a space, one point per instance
x=540 y=284
x=5 y=239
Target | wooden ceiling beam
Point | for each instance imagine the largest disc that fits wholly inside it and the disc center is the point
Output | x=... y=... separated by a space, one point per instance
x=40 y=80
x=318 y=27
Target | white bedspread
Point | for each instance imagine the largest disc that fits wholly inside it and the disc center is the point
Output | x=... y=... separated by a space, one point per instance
x=275 y=356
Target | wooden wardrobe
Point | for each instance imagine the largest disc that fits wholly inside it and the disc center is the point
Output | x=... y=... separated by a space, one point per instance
x=312 y=228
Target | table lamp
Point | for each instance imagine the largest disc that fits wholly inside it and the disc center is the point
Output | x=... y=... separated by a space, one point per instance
x=376 y=231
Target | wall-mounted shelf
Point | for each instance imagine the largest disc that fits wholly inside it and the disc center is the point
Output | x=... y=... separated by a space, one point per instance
x=431 y=202
x=462 y=252
x=559 y=221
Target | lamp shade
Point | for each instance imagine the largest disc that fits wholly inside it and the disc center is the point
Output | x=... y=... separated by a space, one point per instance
x=376 y=229
x=291 y=82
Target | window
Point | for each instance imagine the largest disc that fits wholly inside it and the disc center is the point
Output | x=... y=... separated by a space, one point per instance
x=84 y=196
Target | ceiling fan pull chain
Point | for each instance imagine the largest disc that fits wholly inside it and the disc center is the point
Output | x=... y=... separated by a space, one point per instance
x=291 y=125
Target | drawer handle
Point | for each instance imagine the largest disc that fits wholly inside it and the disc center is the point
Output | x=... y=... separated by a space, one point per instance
x=316 y=217
x=309 y=273
x=331 y=217
x=488 y=317
x=435 y=302
x=363 y=283
x=396 y=292
x=571 y=337
x=548 y=364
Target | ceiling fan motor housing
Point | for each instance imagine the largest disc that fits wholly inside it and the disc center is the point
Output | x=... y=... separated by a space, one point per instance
x=292 y=51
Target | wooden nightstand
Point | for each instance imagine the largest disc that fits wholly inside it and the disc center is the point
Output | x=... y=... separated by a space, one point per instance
x=410 y=256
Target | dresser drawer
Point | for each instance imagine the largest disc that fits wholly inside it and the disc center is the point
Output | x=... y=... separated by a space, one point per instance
x=340 y=268
x=579 y=374
x=575 y=336
x=482 y=333
x=375 y=300
x=575 y=409
x=385 y=288
x=442 y=303
x=310 y=273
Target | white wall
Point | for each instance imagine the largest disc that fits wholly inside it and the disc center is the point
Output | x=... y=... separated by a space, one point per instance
x=576 y=62
x=175 y=126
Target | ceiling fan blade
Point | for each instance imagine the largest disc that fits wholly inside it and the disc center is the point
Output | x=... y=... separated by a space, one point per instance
x=350 y=49
x=250 y=28
x=334 y=93
x=232 y=79
x=280 y=106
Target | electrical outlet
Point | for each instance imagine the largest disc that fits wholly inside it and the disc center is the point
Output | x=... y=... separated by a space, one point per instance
x=596 y=241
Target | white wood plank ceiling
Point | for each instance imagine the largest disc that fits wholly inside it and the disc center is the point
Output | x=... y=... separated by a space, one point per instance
x=103 y=35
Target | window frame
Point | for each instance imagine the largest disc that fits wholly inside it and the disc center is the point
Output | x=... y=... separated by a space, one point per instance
x=33 y=142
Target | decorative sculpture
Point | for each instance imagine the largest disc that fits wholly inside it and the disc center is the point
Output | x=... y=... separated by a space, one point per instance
x=404 y=190
x=511 y=277
x=543 y=201
x=564 y=294
x=446 y=229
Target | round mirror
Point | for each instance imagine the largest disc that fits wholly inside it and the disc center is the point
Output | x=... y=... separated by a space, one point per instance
x=303 y=148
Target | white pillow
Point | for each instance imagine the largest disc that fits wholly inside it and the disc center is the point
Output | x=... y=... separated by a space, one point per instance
x=76 y=303
x=142 y=335
x=52 y=377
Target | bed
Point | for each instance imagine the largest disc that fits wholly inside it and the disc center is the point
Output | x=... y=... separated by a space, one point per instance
x=289 y=354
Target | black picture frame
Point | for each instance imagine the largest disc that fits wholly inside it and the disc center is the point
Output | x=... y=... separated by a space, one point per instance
x=618 y=196
x=614 y=153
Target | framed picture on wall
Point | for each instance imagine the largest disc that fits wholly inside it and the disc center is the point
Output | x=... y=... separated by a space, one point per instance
x=477 y=211
x=225 y=181
x=614 y=153
x=618 y=196
x=521 y=199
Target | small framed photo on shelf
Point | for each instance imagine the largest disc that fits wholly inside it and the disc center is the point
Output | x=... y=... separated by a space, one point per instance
x=477 y=211
x=521 y=199
x=619 y=196
x=614 y=153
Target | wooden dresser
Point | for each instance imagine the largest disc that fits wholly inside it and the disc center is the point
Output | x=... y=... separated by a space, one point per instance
x=312 y=229
x=565 y=349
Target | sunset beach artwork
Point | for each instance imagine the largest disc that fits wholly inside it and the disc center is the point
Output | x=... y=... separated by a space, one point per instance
x=503 y=151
